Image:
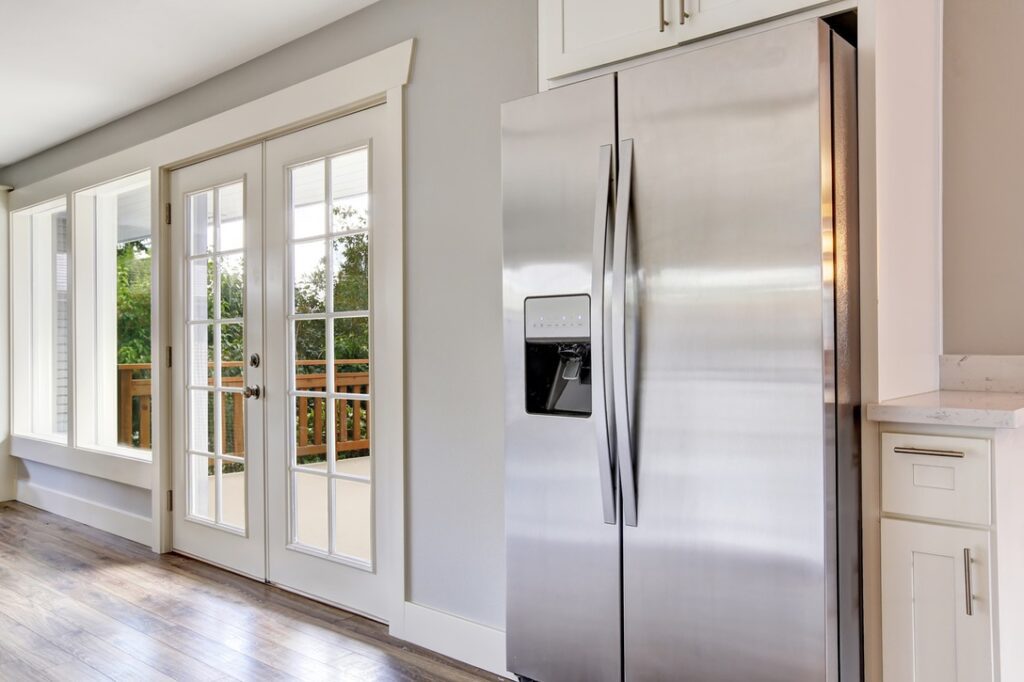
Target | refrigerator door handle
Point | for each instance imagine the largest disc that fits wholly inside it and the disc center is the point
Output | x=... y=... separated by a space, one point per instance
x=624 y=451
x=599 y=315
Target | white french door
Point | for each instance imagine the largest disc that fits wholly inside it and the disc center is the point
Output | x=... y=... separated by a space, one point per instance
x=217 y=256
x=325 y=537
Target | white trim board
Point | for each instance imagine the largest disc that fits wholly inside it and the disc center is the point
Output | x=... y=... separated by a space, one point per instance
x=453 y=636
x=116 y=521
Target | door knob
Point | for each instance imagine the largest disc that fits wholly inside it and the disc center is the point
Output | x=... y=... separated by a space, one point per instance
x=251 y=392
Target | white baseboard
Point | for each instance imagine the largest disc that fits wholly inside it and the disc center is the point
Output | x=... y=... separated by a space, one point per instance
x=453 y=636
x=116 y=521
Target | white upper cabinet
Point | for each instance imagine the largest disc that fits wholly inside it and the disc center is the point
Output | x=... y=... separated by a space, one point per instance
x=579 y=34
x=576 y=35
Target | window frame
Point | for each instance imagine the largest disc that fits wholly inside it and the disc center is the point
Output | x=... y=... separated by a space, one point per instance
x=119 y=464
x=76 y=437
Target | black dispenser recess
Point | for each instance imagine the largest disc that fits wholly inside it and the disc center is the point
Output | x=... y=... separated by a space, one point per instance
x=557 y=332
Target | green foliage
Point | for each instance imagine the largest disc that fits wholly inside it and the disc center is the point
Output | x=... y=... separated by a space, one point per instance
x=351 y=293
x=134 y=281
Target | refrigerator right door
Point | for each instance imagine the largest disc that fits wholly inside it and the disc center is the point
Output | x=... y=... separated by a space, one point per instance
x=729 y=573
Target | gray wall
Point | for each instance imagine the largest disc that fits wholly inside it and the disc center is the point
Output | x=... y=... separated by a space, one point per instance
x=983 y=179
x=470 y=56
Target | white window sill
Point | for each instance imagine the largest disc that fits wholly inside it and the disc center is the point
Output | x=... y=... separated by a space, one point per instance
x=133 y=469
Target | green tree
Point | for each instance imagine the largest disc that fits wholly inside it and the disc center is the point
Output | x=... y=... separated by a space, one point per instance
x=134 y=281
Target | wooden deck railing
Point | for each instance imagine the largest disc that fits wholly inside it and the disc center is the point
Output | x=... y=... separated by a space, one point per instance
x=351 y=417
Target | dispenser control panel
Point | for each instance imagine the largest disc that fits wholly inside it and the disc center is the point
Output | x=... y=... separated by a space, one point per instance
x=558 y=317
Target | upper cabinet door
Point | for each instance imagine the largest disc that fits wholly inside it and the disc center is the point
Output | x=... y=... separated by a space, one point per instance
x=579 y=34
x=715 y=16
x=576 y=35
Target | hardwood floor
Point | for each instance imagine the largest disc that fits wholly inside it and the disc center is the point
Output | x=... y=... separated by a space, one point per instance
x=80 y=604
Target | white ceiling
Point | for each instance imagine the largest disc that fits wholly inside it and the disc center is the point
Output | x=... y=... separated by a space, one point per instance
x=70 y=66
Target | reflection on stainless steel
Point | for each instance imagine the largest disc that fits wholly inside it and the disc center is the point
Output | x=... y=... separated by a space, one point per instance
x=563 y=559
x=730 y=274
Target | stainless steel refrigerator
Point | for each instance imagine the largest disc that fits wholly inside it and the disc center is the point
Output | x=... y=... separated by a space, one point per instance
x=680 y=330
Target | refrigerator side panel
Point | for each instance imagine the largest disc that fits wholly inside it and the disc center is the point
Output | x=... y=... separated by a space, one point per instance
x=563 y=616
x=728 y=574
x=848 y=396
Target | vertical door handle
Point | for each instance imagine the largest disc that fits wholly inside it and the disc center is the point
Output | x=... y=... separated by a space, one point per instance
x=968 y=587
x=624 y=440
x=599 y=315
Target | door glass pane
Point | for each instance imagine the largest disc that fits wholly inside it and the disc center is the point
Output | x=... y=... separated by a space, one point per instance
x=232 y=286
x=310 y=355
x=232 y=224
x=352 y=435
x=232 y=489
x=330 y=279
x=232 y=424
x=201 y=276
x=309 y=493
x=311 y=432
x=201 y=350
x=202 y=486
x=200 y=215
x=309 y=275
x=351 y=280
x=232 y=354
x=352 y=511
x=200 y=421
x=352 y=353
x=216 y=354
x=349 y=191
x=307 y=200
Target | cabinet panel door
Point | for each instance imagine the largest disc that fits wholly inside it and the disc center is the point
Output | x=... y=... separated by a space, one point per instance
x=928 y=634
x=579 y=34
x=714 y=16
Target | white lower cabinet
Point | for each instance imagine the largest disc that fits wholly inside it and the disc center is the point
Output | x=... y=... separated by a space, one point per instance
x=936 y=603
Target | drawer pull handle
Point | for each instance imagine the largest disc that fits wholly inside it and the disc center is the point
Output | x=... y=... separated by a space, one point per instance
x=968 y=588
x=926 y=451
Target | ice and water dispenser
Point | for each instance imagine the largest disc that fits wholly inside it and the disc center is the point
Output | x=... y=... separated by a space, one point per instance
x=558 y=355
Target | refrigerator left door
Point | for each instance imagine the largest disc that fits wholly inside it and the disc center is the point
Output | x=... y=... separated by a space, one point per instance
x=563 y=614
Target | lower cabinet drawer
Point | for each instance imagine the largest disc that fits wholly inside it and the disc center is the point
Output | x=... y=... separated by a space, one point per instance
x=937 y=477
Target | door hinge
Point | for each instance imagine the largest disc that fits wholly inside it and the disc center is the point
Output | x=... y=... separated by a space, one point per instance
x=169 y=356
x=170 y=500
x=167 y=213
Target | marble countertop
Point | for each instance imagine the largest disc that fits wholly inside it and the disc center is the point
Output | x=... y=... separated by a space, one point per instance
x=986 y=409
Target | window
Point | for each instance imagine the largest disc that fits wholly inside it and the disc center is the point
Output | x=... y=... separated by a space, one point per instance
x=41 y=320
x=113 y=301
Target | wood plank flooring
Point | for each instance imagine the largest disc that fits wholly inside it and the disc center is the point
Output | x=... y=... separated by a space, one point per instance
x=77 y=603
